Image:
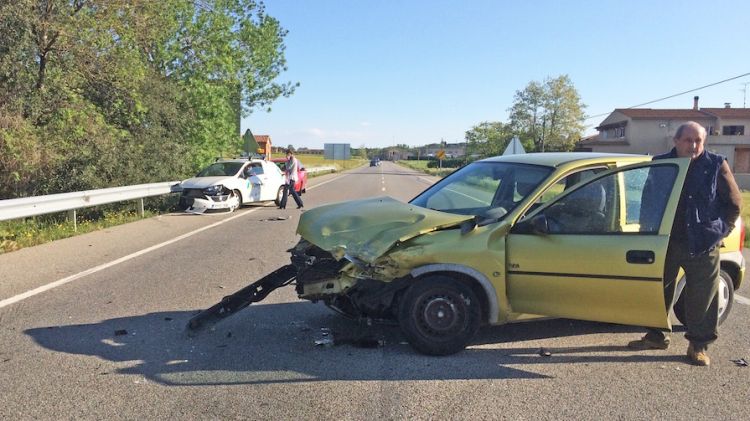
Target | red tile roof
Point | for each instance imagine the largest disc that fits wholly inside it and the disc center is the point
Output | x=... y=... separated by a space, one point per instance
x=664 y=113
x=262 y=138
x=728 y=112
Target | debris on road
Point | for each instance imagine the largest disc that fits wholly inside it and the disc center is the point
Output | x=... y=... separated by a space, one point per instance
x=169 y=319
x=544 y=353
x=361 y=342
x=324 y=342
x=121 y=332
x=277 y=218
x=741 y=362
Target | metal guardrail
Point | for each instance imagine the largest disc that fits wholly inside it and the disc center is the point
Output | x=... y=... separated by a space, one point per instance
x=320 y=169
x=40 y=205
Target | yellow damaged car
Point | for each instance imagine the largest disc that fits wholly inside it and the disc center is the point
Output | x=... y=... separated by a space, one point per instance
x=500 y=240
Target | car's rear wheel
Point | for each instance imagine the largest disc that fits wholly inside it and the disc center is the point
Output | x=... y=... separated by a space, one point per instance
x=439 y=315
x=726 y=297
x=279 y=196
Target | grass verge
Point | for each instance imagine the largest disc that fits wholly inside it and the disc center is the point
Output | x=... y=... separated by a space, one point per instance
x=422 y=166
x=19 y=233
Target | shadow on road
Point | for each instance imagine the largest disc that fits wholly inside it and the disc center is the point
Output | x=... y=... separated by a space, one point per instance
x=276 y=343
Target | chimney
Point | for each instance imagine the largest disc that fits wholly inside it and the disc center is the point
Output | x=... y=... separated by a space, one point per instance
x=695 y=102
x=727 y=105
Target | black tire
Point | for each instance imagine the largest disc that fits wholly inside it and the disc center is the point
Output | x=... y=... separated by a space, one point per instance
x=726 y=298
x=279 y=195
x=439 y=315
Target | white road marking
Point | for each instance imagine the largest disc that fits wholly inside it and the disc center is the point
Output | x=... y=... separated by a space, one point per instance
x=71 y=278
x=741 y=300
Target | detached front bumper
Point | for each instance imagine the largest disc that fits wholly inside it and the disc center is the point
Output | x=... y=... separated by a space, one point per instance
x=203 y=203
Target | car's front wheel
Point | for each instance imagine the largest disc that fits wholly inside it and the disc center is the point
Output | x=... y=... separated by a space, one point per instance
x=439 y=315
x=726 y=297
x=235 y=200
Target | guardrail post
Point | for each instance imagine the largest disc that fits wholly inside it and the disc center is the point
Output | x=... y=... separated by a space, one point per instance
x=140 y=207
x=72 y=216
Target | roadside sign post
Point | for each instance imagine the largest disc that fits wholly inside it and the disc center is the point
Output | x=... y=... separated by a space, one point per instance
x=440 y=156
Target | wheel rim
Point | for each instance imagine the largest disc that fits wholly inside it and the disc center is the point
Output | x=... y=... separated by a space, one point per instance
x=440 y=315
x=723 y=295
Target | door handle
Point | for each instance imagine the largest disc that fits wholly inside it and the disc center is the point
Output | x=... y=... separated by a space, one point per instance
x=642 y=257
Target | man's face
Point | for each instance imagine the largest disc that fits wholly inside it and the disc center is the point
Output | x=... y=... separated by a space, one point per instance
x=691 y=142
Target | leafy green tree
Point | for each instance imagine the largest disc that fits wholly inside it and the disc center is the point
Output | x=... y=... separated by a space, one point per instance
x=99 y=93
x=549 y=114
x=488 y=138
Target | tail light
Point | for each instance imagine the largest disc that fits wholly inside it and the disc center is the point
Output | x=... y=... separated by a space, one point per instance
x=742 y=233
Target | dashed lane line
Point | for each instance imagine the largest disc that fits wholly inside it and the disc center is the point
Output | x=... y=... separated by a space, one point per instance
x=741 y=300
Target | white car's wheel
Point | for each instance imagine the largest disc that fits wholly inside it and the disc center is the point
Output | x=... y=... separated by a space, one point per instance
x=235 y=200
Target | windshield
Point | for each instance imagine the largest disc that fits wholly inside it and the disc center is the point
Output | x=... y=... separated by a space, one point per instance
x=486 y=189
x=221 y=169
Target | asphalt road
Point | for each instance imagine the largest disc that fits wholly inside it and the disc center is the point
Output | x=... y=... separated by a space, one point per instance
x=101 y=335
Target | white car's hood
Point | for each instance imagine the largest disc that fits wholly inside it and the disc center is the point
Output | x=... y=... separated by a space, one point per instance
x=203 y=182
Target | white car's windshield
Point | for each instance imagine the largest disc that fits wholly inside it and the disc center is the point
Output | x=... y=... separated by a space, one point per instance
x=485 y=189
x=221 y=169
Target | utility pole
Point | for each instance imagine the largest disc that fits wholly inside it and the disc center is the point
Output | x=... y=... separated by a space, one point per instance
x=744 y=92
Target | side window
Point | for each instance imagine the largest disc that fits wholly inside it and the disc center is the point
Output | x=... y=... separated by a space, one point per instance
x=567 y=182
x=626 y=201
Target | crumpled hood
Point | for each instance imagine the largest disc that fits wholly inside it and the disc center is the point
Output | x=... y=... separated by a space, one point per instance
x=366 y=229
x=203 y=182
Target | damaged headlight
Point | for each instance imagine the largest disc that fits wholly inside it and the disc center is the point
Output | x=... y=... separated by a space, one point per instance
x=213 y=190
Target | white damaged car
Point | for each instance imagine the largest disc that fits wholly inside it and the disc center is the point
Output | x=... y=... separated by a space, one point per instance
x=228 y=184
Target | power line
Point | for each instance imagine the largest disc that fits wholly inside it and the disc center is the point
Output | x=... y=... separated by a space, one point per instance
x=672 y=96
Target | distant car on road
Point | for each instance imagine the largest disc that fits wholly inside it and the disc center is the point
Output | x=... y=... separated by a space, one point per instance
x=374 y=162
x=301 y=184
x=228 y=184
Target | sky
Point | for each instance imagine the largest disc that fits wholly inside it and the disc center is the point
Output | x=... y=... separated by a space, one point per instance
x=384 y=72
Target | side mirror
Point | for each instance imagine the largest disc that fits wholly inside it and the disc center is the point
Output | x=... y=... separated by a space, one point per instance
x=468 y=226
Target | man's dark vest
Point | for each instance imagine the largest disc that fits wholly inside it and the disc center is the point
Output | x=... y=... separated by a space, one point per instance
x=703 y=217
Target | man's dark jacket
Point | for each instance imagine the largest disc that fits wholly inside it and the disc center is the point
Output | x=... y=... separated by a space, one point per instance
x=709 y=203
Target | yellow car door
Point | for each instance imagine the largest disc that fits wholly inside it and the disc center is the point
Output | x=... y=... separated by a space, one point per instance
x=597 y=251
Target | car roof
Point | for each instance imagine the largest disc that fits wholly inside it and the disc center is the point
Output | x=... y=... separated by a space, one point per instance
x=556 y=159
x=239 y=160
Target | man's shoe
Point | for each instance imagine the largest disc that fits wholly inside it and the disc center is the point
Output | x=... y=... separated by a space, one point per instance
x=648 y=343
x=698 y=357
x=299 y=207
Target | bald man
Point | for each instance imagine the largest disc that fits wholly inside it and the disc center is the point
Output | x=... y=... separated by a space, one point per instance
x=709 y=206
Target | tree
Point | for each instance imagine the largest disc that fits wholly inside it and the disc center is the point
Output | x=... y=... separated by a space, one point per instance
x=488 y=138
x=550 y=115
x=114 y=92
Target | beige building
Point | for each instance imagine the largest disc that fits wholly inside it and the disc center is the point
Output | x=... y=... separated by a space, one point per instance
x=650 y=131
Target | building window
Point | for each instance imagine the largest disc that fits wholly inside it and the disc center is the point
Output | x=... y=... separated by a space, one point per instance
x=614 y=133
x=733 y=130
x=710 y=130
x=742 y=160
